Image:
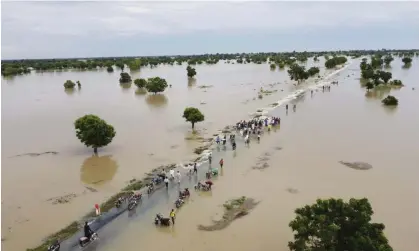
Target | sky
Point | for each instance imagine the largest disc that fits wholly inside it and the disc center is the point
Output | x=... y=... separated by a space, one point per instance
x=100 y=29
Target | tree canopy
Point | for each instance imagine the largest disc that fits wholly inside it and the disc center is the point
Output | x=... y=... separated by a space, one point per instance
x=125 y=78
x=140 y=82
x=313 y=71
x=156 y=85
x=94 y=131
x=69 y=84
x=109 y=68
x=333 y=62
x=388 y=59
x=272 y=66
x=390 y=101
x=193 y=115
x=333 y=224
x=407 y=60
x=191 y=72
x=297 y=73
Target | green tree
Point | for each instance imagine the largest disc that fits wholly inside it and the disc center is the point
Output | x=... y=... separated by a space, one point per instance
x=297 y=73
x=191 y=72
x=156 y=85
x=120 y=66
x=376 y=62
x=313 y=71
x=109 y=68
x=94 y=131
x=193 y=115
x=388 y=59
x=134 y=64
x=385 y=76
x=333 y=62
x=390 y=101
x=69 y=84
x=125 y=78
x=369 y=85
x=140 y=82
x=407 y=61
x=396 y=82
x=337 y=225
x=272 y=66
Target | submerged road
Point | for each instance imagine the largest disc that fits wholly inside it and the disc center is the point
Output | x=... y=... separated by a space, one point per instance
x=108 y=225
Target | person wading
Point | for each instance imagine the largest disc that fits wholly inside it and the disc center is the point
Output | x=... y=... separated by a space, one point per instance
x=166 y=182
x=195 y=169
x=221 y=163
x=172 y=216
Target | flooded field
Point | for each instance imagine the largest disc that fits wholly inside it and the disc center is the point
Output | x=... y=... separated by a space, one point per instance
x=302 y=160
x=38 y=117
x=302 y=157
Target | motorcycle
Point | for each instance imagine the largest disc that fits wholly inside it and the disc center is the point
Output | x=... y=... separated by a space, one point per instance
x=179 y=202
x=202 y=187
x=54 y=247
x=163 y=221
x=133 y=201
x=84 y=241
x=150 y=188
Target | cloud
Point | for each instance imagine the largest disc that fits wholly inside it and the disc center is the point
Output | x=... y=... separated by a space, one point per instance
x=45 y=28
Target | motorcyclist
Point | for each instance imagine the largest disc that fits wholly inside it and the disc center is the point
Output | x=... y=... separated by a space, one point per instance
x=87 y=231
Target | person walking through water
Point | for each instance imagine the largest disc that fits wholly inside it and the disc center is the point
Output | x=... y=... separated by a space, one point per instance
x=172 y=216
x=217 y=140
x=166 y=182
x=210 y=158
x=195 y=169
x=221 y=163
x=286 y=107
x=172 y=173
x=294 y=107
x=178 y=176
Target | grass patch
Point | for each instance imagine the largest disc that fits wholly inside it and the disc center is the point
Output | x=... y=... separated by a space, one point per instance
x=60 y=235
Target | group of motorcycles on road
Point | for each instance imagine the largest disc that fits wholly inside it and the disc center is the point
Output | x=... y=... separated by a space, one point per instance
x=135 y=198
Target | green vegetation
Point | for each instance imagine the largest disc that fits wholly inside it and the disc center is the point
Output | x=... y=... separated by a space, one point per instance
x=156 y=85
x=298 y=72
x=140 y=83
x=273 y=66
x=69 y=84
x=19 y=67
x=388 y=59
x=125 y=78
x=191 y=72
x=390 y=101
x=193 y=115
x=335 y=61
x=377 y=77
x=407 y=61
x=313 y=71
x=337 y=225
x=94 y=131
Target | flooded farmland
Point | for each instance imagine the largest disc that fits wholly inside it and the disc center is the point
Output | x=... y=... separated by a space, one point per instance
x=302 y=156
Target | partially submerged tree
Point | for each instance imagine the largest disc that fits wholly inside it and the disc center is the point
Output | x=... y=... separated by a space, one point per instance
x=191 y=72
x=109 y=69
x=385 y=76
x=297 y=73
x=376 y=62
x=94 y=131
x=369 y=85
x=390 y=101
x=313 y=71
x=396 y=82
x=388 y=59
x=156 y=85
x=140 y=83
x=193 y=115
x=125 y=78
x=272 y=66
x=337 y=225
x=69 y=84
x=407 y=61
x=333 y=62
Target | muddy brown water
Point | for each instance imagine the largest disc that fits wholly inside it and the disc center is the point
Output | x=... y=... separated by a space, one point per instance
x=341 y=125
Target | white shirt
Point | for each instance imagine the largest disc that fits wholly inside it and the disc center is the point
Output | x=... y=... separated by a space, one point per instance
x=247 y=137
x=166 y=180
x=172 y=172
x=178 y=175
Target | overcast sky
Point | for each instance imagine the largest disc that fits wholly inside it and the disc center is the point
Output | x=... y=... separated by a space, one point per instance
x=95 y=29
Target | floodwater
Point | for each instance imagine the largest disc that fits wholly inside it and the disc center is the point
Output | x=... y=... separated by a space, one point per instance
x=343 y=124
x=38 y=116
